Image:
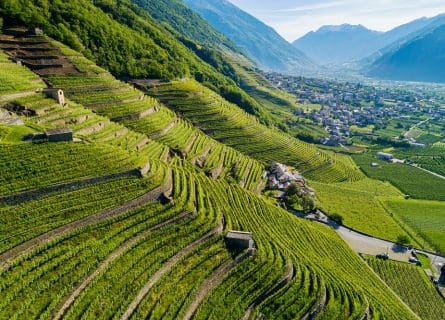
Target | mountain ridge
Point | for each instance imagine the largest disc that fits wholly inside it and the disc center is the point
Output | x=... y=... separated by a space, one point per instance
x=252 y=36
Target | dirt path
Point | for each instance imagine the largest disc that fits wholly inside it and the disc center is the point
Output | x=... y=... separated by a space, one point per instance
x=317 y=307
x=211 y=282
x=112 y=257
x=426 y=170
x=275 y=288
x=25 y=247
x=13 y=96
x=165 y=268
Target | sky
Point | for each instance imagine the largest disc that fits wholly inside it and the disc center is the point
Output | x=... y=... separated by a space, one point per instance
x=294 y=18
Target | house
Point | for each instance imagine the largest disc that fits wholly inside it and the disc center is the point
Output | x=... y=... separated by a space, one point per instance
x=56 y=94
x=240 y=240
x=59 y=135
x=385 y=156
x=375 y=165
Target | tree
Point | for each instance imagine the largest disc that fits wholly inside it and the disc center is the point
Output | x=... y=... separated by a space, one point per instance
x=308 y=203
x=292 y=190
x=402 y=239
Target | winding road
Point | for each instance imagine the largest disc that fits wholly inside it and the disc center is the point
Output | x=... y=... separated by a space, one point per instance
x=367 y=244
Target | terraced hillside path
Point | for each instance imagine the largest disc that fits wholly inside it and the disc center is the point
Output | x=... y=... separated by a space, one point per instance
x=275 y=288
x=25 y=247
x=167 y=267
x=112 y=257
x=211 y=282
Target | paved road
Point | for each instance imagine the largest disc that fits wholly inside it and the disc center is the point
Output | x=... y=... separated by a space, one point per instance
x=362 y=243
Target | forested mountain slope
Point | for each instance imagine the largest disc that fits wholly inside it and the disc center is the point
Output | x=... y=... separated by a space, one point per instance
x=263 y=44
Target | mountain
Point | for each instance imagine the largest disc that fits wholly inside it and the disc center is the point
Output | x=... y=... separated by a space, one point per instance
x=151 y=203
x=259 y=41
x=420 y=59
x=348 y=43
x=338 y=44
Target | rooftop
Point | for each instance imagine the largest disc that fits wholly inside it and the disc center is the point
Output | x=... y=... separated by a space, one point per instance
x=52 y=132
x=239 y=235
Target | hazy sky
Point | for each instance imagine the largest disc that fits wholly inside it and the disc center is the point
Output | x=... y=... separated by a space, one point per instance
x=294 y=18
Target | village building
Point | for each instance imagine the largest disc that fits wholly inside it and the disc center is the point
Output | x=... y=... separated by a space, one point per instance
x=375 y=165
x=385 y=156
x=240 y=240
x=56 y=94
x=59 y=135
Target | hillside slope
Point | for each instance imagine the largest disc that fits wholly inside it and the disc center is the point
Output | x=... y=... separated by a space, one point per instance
x=421 y=59
x=263 y=44
x=125 y=39
x=116 y=250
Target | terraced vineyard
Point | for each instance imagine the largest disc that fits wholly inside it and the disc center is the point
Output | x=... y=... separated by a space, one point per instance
x=412 y=181
x=359 y=203
x=230 y=125
x=425 y=218
x=412 y=285
x=85 y=235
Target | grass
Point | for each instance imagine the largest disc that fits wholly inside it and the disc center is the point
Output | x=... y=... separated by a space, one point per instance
x=426 y=218
x=413 y=287
x=359 y=205
x=410 y=180
x=30 y=166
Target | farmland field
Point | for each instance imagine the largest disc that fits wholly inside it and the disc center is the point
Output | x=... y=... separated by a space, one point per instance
x=427 y=218
x=410 y=180
x=359 y=206
x=413 y=287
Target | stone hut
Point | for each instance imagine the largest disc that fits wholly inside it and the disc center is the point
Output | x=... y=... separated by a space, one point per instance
x=385 y=156
x=240 y=240
x=59 y=135
x=56 y=94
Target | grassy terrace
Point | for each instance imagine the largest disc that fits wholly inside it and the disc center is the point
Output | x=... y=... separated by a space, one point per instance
x=99 y=270
x=15 y=78
x=412 y=285
x=425 y=218
x=110 y=98
x=283 y=239
x=230 y=125
x=359 y=204
x=412 y=181
x=22 y=222
x=30 y=166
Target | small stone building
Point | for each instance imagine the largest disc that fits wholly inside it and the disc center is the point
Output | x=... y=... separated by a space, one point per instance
x=385 y=156
x=59 y=135
x=56 y=94
x=240 y=240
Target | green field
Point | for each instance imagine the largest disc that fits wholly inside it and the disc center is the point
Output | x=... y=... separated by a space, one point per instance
x=411 y=181
x=413 y=287
x=358 y=203
x=153 y=246
x=427 y=218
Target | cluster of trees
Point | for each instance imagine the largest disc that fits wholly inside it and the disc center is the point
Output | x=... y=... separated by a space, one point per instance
x=122 y=37
x=296 y=198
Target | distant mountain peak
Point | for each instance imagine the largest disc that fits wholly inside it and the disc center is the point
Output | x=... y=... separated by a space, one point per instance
x=343 y=28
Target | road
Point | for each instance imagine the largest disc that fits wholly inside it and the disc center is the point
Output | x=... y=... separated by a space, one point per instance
x=362 y=243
